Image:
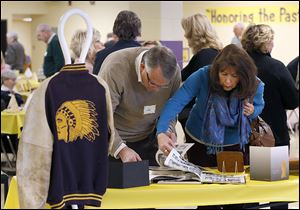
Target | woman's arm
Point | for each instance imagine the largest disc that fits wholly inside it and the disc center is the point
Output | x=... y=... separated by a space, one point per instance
x=183 y=96
x=258 y=101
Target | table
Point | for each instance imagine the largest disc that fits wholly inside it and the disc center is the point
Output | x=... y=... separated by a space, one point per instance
x=162 y=195
x=12 y=122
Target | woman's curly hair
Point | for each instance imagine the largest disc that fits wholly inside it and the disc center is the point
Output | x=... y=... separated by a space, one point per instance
x=256 y=37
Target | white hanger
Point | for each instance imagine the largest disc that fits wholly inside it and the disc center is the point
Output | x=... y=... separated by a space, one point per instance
x=62 y=40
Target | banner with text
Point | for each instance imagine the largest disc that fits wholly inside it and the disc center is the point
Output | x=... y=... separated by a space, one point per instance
x=288 y=14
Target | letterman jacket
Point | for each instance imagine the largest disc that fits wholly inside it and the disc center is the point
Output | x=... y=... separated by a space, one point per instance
x=64 y=146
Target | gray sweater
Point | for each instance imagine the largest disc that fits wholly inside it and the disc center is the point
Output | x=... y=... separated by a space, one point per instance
x=15 y=56
x=130 y=98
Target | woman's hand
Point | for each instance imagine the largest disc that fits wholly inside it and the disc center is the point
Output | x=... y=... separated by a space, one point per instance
x=248 y=109
x=166 y=142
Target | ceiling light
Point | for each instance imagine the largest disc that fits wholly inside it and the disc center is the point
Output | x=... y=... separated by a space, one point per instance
x=27 y=19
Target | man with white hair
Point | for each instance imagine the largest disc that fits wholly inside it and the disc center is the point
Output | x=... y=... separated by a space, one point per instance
x=8 y=80
x=238 y=31
x=15 y=54
x=54 y=59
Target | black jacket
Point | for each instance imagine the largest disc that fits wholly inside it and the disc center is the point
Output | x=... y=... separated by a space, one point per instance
x=280 y=94
x=5 y=96
x=54 y=58
x=293 y=67
x=200 y=59
x=102 y=54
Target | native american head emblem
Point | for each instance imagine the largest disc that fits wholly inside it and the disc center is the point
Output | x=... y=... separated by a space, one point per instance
x=77 y=119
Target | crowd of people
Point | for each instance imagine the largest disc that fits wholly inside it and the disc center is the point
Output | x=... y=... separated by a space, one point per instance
x=147 y=73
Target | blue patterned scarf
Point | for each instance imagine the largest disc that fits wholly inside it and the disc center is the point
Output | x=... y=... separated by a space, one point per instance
x=222 y=112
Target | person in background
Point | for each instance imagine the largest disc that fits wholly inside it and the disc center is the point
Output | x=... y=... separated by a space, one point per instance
x=127 y=27
x=15 y=54
x=280 y=91
x=238 y=31
x=54 y=59
x=111 y=40
x=27 y=62
x=98 y=45
x=293 y=67
x=4 y=66
x=78 y=41
x=150 y=44
x=141 y=81
x=205 y=44
x=8 y=82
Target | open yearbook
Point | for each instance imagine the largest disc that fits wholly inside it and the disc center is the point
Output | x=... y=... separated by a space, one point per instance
x=176 y=169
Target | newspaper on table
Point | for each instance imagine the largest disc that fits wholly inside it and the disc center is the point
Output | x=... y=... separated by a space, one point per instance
x=176 y=161
x=180 y=148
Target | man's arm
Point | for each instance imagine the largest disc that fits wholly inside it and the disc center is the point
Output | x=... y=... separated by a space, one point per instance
x=58 y=57
x=110 y=75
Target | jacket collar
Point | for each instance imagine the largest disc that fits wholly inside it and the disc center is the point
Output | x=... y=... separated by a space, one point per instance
x=75 y=67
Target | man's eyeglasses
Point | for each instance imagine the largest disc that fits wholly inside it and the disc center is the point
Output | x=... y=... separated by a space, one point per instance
x=155 y=85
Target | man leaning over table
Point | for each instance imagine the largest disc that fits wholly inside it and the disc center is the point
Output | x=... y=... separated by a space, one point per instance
x=141 y=81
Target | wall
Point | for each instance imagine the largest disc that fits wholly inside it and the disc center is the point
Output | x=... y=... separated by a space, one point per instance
x=286 y=41
x=149 y=13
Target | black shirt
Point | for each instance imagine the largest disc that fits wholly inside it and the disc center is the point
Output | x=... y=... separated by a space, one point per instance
x=202 y=58
x=293 y=67
x=280 y=94
x=5 y=97
x=102 y=54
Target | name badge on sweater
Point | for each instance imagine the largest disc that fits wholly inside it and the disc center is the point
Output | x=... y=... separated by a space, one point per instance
x=149 y=109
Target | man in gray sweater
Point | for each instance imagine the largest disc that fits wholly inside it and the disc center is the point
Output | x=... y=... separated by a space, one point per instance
x=15 y=54
x=140 y=81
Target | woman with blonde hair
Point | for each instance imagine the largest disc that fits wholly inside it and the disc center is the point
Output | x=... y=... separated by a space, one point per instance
x=280 y=92
x=77 y=42
x=205 y=44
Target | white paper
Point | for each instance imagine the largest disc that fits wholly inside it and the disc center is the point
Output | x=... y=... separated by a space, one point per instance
x=28 y=73
x=174 y=160
x=180 y=148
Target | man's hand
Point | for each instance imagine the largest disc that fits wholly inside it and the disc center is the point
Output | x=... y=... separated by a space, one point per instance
x=129 y=155
x=166 y=142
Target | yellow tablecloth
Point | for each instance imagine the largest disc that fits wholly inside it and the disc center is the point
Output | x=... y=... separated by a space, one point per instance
x=24 y=85
x=161 y=196
x=11 y=123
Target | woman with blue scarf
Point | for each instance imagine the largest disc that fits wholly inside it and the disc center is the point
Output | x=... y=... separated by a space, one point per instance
x=228 y=97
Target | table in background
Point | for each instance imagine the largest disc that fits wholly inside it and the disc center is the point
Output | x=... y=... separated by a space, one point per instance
x=12 y=122
x=174 y=195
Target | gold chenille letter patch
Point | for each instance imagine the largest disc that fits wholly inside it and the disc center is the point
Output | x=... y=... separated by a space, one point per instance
x=77 y=119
